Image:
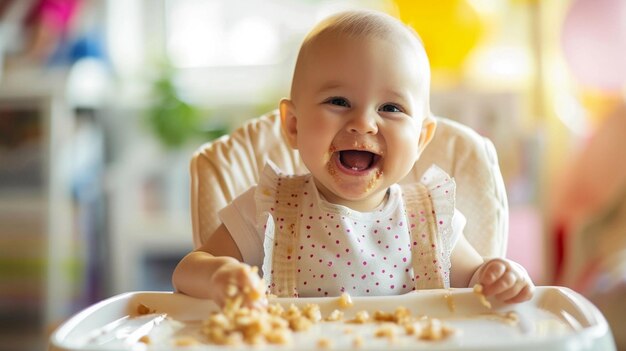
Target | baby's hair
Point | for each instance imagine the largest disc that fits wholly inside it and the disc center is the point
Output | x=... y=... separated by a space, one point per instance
x=361 y=23
x=367 y=24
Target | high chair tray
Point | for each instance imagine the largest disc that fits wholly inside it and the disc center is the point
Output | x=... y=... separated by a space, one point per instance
x=556 y=318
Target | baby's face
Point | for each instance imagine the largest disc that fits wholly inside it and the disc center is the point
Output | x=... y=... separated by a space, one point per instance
x=359 y=110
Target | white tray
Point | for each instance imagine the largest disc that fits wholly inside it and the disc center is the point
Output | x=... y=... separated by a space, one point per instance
x=555 y=319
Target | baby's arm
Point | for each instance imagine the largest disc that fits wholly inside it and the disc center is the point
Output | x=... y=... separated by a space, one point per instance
x=214 y=269
x=504 y=279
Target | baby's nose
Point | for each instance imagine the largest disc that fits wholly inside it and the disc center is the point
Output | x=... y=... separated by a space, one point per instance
x=363 y=122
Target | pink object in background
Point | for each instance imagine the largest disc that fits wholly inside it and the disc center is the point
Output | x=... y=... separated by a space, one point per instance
x=55 y=14
x=525 y=245
x=594 y=43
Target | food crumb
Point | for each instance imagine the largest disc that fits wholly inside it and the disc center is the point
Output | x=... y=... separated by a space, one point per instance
x=143 y=309
x=361 y=317
x=387 y=330
x=450 y=301
x=335 y=316
x=324 y=343
x=185 y=341
x=478 y=290
x=345 y=300
x=435 y=330
x=512 y=318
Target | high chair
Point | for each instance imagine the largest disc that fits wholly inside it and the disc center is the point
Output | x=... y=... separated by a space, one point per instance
x=226 y=167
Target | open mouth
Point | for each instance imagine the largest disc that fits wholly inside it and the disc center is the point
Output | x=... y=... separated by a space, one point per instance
x=358 y=160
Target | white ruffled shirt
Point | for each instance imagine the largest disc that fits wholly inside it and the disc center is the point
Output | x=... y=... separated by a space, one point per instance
x=362 y=253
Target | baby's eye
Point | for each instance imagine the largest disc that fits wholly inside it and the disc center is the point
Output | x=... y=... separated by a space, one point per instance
x=389 y=108
x=338 y=101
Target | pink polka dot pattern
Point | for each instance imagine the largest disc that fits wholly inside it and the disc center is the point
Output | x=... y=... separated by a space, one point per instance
x=334 y=249
x=348 y=256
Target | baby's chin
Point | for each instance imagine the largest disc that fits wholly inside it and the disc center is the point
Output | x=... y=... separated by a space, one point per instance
x=361 y=195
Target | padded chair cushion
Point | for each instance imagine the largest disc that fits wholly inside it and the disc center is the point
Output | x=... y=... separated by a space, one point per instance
x=226 y=167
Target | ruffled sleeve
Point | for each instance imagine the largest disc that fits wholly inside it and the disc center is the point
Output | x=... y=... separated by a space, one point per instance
x=442 y=189
x=265 y=198
x=265 y=195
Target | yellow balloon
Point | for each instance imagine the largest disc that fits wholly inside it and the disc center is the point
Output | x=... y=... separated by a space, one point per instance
x=450 y=29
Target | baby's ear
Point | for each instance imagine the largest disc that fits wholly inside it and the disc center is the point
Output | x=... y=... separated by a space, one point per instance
x=288 y=121
x=428 y=131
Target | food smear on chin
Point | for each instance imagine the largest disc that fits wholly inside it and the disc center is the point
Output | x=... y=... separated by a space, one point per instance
x=373 y=181
x=330 y=167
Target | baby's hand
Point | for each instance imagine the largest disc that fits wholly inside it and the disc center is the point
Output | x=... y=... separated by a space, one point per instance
x=506 y=280
x=238 y=279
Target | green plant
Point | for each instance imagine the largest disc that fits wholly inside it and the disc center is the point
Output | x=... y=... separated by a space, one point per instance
x=173 y=120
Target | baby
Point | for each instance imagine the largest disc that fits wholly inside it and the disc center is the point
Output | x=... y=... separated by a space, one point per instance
x=359 y=115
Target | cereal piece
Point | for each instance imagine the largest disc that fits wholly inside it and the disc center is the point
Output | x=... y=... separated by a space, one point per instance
x=276 y=322
x=143 y=309
x=215 y=334
x=478 y=290
x=312 y=312
x=292 y=312
x=145 y=340
x=231 y=290
x=219 y=320
x=232 y=305
x=256 y=294
x=335 y=316
x=450 y=301
x=361 y=317
x=387 y=330
x=278 y=336
x=300 y=323
x=275 y=309
x=255 y=339
x=345 y=301
x=412 y=328
x=435 y=330
x=381 y=316
x=324 y=343
x=401 y=315
x=185 y=341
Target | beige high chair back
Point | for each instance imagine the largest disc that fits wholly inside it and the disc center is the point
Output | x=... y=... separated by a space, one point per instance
x=226 y=167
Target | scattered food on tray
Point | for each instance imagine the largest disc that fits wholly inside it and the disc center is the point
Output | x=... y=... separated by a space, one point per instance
x=237 y=324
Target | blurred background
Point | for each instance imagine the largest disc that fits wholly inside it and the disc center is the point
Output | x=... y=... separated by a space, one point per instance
x=102 y=103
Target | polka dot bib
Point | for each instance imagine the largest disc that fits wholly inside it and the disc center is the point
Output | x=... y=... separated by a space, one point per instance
x=315 y=248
